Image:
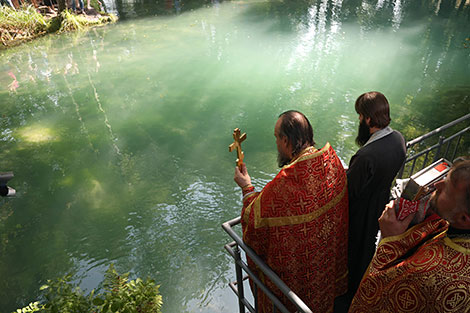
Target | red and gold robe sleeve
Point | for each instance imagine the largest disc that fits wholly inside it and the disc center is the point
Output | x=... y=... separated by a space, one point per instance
x=393 y=249
x=255 y=241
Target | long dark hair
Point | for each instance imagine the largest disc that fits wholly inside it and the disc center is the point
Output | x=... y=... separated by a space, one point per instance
x=375 y=106
x=296 y=127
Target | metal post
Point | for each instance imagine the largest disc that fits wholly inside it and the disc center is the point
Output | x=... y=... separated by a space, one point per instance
x=238 y=271
x=425 y=160
x=447 y=149
x=255 y=295
x=413 y=166
x=456 y=147
x=267 y=271
x=441 y=141
x=402 y=168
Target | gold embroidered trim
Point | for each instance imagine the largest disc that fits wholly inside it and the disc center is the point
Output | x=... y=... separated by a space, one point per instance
x=246 y=216
x=453 y=244
x=397 y=237
x=308 y=156
x=293 y=220
x=405 y=234
x=342 y=276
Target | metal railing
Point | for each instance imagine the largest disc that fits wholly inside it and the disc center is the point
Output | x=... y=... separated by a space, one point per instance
x=233 y=249
x=421 y=153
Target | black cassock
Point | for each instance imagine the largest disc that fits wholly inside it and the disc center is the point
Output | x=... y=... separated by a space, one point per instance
x=370 y=176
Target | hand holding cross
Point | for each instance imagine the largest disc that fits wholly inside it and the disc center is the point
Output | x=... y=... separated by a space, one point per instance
x=238 y=139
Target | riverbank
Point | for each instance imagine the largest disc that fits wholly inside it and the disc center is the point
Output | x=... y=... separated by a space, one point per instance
x=27 y=23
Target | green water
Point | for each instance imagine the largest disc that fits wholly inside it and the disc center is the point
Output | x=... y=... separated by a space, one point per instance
x=119 y=137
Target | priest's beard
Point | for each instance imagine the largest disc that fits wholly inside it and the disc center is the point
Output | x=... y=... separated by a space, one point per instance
x=282 y=159
x=363 y=134
x=447 y=215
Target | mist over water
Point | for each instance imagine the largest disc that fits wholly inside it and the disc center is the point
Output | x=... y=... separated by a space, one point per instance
x=118 y=136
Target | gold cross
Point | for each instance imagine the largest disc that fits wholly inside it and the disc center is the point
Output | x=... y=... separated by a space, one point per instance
x=306 y=255
x=276 y=232
x=406 y=300
x=308 y=274
x=237 y=144
x=280 y=257
x=305 y=231
x=309 y=294
x=302 y=203
x=272 y=206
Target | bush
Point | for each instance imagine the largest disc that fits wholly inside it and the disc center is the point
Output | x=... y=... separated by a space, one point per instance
x=117 y=295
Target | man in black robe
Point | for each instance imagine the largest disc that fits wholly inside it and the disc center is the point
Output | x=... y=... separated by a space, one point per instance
x=370 y=176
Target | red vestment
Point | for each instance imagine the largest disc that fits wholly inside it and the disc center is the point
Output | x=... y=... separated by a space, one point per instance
x=298 y=224
x=426 y=269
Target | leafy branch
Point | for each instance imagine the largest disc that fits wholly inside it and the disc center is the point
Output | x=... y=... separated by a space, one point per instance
x=119 y=294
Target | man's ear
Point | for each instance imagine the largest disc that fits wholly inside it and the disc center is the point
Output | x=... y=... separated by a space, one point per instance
x=368 y=121
x=463 y=220
x=288 y=145
x=285 y=140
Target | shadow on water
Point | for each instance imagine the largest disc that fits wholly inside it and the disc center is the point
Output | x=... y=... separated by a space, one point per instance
x=160 y=212
x=146 y=8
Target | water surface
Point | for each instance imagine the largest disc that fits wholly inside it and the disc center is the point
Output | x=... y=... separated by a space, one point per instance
x=119 y=137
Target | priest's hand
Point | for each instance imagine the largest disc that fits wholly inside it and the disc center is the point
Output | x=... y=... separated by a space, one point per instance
x=390 y=225
x=241 y=177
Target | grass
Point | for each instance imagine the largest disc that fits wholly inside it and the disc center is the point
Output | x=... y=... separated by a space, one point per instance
x=73 y=22
x=17 y=26
x=21 y=25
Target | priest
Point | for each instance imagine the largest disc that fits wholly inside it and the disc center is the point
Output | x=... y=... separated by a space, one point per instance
x=424 y=268
x=298 y=223
x=370 y=175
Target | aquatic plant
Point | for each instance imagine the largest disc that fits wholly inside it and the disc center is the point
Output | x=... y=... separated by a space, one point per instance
x=117 y=295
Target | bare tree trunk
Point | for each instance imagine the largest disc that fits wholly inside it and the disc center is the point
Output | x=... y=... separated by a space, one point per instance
x=16 y=4
x=61 y=5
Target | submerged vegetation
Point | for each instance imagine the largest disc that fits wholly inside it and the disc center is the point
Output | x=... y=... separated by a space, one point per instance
x=117 y=294
x=26 y=23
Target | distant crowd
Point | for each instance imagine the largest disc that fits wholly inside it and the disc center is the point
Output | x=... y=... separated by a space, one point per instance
x=50 y=6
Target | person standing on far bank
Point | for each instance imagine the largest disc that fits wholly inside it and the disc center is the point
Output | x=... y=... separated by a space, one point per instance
x=370 y=175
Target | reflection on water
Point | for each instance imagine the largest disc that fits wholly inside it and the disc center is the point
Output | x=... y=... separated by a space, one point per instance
x=118 y=137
